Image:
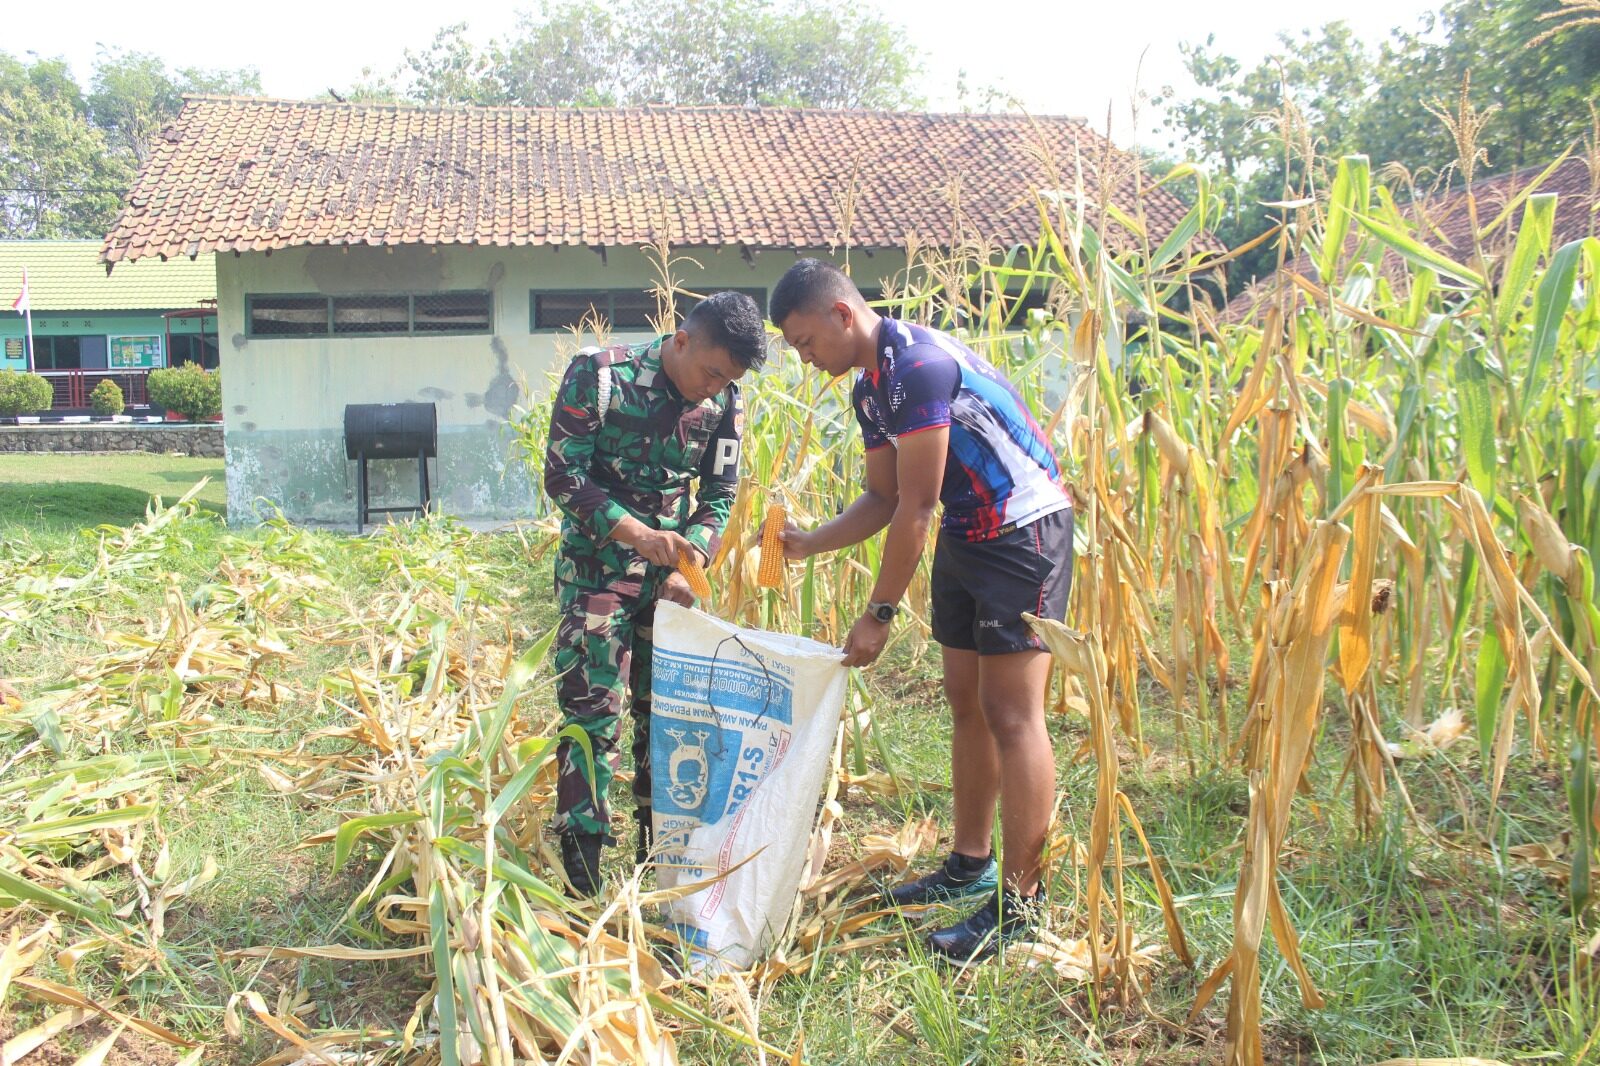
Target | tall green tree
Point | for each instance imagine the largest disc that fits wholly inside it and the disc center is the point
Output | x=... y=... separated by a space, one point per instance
x=819 y=53
x=58 y=175
x=1541 y=92
x=67 y=157
x=1382 y=100
x=133 y=95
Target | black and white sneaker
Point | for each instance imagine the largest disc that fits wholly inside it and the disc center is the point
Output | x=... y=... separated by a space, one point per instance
x=1004 y=918
x=950 y=883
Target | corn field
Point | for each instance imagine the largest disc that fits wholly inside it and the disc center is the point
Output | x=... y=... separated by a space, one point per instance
x=1365 y=513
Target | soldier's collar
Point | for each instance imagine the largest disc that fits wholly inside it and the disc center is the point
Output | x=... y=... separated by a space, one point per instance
x=651 y=373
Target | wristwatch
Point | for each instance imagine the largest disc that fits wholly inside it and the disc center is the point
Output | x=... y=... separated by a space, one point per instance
x=883 y=612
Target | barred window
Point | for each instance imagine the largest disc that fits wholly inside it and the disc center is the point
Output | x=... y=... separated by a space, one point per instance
x=451 y=312
x=633 y=310
x=567 y=310
x=377 y=314
x=630 y=310
x=371 y=314
x=288 y=316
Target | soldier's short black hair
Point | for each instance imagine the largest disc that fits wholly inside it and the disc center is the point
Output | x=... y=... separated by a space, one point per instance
x=731 y=321
x=809 y=285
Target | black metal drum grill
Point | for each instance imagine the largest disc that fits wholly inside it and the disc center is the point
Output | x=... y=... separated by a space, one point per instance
x=390 y=431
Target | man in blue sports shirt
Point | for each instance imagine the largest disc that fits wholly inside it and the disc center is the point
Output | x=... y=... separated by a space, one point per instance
x=942 y=426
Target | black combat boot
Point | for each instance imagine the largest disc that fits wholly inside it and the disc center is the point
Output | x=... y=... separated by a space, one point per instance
x=580 y=856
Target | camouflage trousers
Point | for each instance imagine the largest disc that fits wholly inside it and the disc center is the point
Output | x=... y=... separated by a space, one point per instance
x=603 y=638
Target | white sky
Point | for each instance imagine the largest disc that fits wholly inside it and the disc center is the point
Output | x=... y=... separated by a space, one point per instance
x=1055 y=57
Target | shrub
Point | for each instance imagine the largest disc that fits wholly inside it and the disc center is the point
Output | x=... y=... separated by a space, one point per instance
x=106 y=398
x=23 y=393
x=192 y=392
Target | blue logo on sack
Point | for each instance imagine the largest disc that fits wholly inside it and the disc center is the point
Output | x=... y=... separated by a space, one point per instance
x=692 y=766
x=711 y=723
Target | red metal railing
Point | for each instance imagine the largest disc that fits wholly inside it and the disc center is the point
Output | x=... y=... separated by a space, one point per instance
x=71 y=388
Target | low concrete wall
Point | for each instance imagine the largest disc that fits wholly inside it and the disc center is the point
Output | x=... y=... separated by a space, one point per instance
x=204 y=441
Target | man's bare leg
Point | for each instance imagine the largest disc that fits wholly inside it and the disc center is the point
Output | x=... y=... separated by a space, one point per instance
x=1011 y=691
x=974 y=767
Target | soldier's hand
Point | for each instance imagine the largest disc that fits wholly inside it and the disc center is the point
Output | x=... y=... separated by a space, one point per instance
x=659 y=546
x=676 y=590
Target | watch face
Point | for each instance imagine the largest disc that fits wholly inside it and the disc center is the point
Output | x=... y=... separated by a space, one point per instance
x=883 y=612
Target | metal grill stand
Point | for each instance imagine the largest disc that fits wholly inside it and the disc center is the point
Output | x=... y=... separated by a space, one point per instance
x=390 y=431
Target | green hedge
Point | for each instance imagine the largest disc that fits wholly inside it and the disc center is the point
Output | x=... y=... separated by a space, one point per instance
x=192 y=392
x=22 y=393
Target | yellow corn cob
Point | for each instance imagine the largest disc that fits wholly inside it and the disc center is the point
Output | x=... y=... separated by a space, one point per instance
x=770 y=575
x=695 y=575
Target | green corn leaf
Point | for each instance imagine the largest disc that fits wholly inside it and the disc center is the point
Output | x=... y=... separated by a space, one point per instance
x=463 y=981
x=1341 y=469
x=1352 y=188
x=18 y=888
x=506 y=866
x=529 y=662
x=1405 y=419
x=1491 y=685
x=522 y=780
x=1466 y=591
x=1417 y=253
x=78 y=825
x=345 y=839
x=446 y=1001
x=1533 y=242
x=1179 y=238
x=1476 y=415
x=47 y=724
x=1580 y=802
x=1550 y=303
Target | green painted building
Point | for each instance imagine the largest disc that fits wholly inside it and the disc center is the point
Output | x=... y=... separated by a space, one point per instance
x=89 y=324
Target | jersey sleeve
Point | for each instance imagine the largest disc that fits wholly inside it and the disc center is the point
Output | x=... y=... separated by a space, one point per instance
x=865 y=403
x=922 y=386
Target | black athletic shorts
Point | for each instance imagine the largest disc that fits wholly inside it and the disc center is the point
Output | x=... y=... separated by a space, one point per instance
x=981 y=588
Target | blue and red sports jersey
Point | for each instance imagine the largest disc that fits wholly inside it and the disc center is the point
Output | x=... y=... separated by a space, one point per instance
x=1000 y=472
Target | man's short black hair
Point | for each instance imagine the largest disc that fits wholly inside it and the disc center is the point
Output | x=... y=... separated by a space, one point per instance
x=731 y=321
x=809 y=285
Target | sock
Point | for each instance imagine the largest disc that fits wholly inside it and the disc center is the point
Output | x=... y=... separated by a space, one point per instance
x=967 y=867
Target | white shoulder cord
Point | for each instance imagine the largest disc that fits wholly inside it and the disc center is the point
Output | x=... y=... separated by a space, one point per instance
x=602 y=384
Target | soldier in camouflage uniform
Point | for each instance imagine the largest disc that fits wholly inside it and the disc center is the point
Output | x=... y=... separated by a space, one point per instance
x=631 y=429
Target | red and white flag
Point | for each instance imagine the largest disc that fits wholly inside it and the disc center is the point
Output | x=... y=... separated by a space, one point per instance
x=23 y=307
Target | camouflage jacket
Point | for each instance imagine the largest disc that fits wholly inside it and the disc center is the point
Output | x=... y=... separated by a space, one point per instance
x=642 y=456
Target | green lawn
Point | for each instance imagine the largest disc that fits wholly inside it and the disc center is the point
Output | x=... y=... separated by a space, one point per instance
x=52 y=495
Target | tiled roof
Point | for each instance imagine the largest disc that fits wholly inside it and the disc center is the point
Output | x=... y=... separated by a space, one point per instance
x=237 y=174
x=1449 y=226
x=69 y=276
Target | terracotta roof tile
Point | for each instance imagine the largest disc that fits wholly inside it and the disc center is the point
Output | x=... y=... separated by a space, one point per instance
x=248 y=174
